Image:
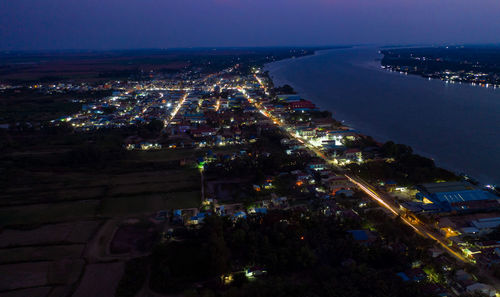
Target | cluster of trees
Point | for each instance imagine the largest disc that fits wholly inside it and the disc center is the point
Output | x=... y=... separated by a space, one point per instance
x=396 y=150
x=133 y=278
x=304 y=254
x=407 y=169
x=151 y=129
x=360 y=142
x=285 y=89
x=256 y=169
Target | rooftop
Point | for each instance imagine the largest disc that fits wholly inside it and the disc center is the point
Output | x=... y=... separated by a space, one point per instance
x=432 y=188
x=461 y=196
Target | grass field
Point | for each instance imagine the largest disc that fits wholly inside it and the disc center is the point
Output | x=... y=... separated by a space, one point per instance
x=48 y=213
x=32 y=292
x=49 y=234
x=100 y=280
x=125 y=199
x=50 y=193
x=37 y=274
x=15 y=276
x=86 y=67
x=43 y=253
x=136 y=205
x=70 y=195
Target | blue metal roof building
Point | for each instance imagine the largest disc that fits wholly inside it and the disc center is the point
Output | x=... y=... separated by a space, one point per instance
x=452 y=195
x=463 y=196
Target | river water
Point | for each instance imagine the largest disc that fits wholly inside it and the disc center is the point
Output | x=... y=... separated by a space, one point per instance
x=457 y=125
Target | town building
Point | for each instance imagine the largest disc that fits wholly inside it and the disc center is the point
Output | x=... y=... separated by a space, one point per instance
x=456 y=196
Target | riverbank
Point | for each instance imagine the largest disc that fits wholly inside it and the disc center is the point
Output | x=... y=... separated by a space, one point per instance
x=407 y=109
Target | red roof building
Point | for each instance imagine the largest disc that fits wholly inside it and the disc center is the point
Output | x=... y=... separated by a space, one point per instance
x=302 y=104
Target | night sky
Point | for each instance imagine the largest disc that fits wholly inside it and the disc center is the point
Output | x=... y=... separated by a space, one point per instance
x=118 y=24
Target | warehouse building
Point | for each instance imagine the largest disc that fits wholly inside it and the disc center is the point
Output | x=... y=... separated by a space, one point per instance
x=456 y=196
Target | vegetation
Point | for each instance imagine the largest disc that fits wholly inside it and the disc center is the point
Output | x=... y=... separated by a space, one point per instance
x=303 y=254
x=30 y=105
x=263 y=158
x=406 y=168
x=133 y=278
x=285 y=89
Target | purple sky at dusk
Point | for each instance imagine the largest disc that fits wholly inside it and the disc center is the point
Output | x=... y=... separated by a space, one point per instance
x=117 y=24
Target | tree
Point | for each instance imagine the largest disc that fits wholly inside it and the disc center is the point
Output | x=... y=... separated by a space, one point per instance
x=133 y=277
x=391 y=149
x=109 y=109
x=155 y=125
x=285 y=89
x=59 y=129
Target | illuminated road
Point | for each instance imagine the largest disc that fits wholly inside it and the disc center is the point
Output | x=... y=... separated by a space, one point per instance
x=176 y=109
x=383 y=201
x=416 y=225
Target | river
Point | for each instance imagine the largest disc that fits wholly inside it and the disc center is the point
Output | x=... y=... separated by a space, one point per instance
x=457 y=125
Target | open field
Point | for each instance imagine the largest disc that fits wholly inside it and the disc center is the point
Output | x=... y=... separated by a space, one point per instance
x=68 y=187
x=48 y=213
x=26 y=104
x=156 y=176
x=69 y=195
x=136 y=200
x=32 y=292
x=122 y=64
x=86 y=66
x=50 y=193
x=100 y=280
x=147 y=203
x=41 y=253
x=38 y=274
x=15 y=276
x=31 y=181
x=77 y=232
x=185 y=199
x=51 y=214
x=136 y=238
x=147 y=188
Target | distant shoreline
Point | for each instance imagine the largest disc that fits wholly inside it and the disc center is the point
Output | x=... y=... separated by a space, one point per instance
x=468 y=65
